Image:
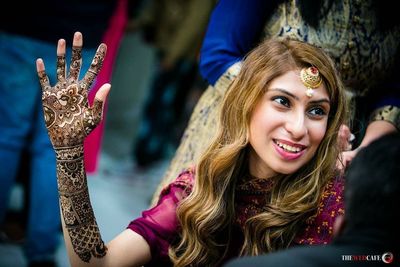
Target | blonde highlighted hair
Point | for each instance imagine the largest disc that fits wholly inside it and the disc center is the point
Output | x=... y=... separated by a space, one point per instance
x=207 y=214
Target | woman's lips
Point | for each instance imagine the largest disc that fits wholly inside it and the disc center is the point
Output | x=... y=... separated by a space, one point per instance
x=288 y=150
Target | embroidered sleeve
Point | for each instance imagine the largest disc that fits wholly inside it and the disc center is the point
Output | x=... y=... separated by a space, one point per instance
x=387 y=113
x=159 y=225
x=319 y=229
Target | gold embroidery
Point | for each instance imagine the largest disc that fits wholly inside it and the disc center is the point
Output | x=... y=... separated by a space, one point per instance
x=347 y=43
x=387 y=113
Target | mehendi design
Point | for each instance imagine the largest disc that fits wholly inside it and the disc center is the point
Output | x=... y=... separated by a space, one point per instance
x=76 y=208
x=69 y=119
x=95 y=67
x=61 y=68
x=76 y=62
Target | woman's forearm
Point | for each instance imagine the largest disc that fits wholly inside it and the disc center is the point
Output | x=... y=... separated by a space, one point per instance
x=79 y=223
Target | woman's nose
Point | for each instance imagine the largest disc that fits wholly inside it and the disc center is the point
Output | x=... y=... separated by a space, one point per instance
x=296 y=126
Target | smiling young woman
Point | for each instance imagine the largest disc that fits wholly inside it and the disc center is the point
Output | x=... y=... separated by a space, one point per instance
x=266 y=182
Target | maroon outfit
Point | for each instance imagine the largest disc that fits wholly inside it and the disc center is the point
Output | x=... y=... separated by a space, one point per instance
x=159 y=226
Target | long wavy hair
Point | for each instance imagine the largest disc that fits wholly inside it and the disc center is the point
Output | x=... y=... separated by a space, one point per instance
x=207 y=215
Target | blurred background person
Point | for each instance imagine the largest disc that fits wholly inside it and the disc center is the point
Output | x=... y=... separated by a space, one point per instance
x=175 y=28
x=130 y=80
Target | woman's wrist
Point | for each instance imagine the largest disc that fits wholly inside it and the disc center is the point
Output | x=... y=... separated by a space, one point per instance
x=377 y=129
x=70 y=170
x=69 y=153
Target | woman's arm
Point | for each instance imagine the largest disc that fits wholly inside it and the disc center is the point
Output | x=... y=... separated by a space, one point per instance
x=234 y=28
x=69 y=119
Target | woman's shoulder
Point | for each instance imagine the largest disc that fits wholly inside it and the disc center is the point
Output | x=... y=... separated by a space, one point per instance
x=183 y=183
x=331 y=204
x=334 y=189
x=319 y=228
x=186 y=177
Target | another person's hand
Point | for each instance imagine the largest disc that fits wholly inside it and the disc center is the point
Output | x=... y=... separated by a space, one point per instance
x=345 y=138
x=375 y=130
x=345 y=142
x=68 y=116
x=345 y=158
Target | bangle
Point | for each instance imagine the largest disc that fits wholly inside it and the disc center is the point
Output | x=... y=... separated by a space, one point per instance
x=387 y=113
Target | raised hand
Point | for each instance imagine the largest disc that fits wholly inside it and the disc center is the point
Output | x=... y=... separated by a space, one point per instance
x=69 y=119
x=68 y=116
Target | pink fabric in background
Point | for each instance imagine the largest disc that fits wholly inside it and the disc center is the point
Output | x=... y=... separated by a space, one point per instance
x=112 y=37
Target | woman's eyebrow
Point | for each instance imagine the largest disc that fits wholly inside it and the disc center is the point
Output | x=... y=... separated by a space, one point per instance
x=317 y=101
x=284 y=91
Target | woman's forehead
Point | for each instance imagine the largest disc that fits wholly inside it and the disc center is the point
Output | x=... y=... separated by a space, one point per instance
x=291 y=82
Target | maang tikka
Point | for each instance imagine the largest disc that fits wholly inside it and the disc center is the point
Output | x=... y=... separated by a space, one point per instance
x=311 y=79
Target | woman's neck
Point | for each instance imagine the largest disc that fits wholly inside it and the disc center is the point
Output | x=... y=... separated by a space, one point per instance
x=258 y=168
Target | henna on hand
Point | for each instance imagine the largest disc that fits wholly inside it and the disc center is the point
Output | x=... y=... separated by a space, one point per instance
x=68 y=116
x=69 y=119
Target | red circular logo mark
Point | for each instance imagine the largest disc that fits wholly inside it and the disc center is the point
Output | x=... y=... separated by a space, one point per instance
x=387 y=257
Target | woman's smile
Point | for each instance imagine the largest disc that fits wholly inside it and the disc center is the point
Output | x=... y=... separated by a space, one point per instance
x=288 y=150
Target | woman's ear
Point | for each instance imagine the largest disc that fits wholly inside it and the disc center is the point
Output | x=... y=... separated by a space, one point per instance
x=339 y=225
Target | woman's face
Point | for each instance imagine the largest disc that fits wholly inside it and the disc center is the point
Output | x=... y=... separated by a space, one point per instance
x=287 y=126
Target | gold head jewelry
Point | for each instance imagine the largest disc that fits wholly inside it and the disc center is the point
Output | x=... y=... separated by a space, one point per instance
x=311 y=79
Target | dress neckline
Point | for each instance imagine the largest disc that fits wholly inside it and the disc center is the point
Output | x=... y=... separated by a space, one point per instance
x=251 y=185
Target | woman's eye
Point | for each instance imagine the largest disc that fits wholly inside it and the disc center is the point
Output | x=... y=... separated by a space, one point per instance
x=317 y=111
x=282 y=100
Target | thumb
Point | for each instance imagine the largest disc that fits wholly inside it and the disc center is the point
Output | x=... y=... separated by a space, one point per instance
x=99 y=101
x=102 y=93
